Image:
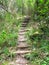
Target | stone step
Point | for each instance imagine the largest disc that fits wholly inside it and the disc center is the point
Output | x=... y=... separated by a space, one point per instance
x=22 y=52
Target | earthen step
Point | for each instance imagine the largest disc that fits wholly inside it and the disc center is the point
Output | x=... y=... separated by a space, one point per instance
x=20 y=60
x=24 y=30
x=22 y=42
x=21 y=33
x=22 y=52
x=22 y=39
x=24 y=23
x=19 y=42
x=22 y=45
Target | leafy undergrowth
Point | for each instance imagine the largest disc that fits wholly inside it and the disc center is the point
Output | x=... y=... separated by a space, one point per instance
x=38 y=35
x=38 y=38
x=9 y=26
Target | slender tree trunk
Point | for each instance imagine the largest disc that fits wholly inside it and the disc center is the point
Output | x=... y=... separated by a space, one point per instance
x=9 y=6
x=22 y=7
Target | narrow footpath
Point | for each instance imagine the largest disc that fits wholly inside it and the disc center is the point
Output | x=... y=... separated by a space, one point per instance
x=22 y=45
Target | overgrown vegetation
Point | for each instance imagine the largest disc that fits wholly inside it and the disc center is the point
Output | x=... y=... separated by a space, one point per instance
x=38 y=35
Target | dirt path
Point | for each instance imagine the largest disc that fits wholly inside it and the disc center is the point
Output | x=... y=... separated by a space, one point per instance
x=22 y=45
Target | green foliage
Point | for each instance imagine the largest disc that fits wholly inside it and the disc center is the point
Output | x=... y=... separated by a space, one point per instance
x=7 y=39
x=5 y=51
x=5 y=63
x=42 y=9
x=38 y=38
x=5 y=2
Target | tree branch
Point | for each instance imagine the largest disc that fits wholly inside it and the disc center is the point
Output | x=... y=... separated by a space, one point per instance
x=5 y=8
